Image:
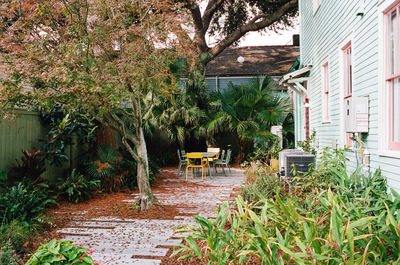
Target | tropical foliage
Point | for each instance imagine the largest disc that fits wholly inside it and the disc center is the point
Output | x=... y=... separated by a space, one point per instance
x=61 y=252
x=29 y=169
x=351 y=219
x=22 y=203
x=248 y=111
x=77 y=187
x=182 y=116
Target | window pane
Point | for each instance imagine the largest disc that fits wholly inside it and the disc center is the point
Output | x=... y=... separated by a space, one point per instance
x=396 y=110
x=391 y=41
x=350 y=72
x=347 y=72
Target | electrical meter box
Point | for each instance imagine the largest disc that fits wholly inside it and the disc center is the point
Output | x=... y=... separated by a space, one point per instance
x=356 y=114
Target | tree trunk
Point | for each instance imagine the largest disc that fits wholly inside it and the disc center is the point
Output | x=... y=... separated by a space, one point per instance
x=241 y=155
x=146 y=197
x=140 y=156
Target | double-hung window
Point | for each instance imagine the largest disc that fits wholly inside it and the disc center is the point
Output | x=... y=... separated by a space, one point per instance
x=347 y=81
x=325 y=93
x=392 y=75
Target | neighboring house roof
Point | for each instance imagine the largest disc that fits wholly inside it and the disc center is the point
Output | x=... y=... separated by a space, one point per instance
x=258 y=60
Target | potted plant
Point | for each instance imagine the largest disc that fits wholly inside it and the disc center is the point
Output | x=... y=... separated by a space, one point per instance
x=274 y=153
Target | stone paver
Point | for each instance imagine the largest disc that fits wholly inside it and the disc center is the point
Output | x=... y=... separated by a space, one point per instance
x=145 y=241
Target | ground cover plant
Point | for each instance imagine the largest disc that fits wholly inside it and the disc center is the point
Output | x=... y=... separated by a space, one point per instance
x=61 y=252
x=346 y=219
x=77 y=188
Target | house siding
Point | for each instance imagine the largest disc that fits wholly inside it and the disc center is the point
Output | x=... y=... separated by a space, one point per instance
x=221 y=83
x=321 y=34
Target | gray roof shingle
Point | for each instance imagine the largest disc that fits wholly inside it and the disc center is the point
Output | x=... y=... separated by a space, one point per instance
x=258 y=60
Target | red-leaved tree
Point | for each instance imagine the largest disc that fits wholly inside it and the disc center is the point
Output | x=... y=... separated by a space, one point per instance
x=110 y=58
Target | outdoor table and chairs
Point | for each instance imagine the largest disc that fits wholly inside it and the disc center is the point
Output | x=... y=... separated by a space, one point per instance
x=224 y=161
x=204 y=160
x=182 y=160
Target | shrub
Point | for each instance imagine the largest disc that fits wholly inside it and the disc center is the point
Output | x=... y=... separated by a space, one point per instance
x=15 y=234
x=104 y=169
x=29 y=169
x=8 y=255
x=260 y=184
x=77 y=188
x=3 y=180
x=21 y=203
x=60 y=252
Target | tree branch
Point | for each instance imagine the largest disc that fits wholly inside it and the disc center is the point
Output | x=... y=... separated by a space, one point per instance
x=212 y=6
x=200 y=31
x=252 y=25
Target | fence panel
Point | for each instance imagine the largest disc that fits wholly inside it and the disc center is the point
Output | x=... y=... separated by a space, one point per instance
x=23 y=132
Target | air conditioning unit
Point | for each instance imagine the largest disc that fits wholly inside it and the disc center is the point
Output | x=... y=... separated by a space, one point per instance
x=356 y=114
x=282 y=156
x=290 y=158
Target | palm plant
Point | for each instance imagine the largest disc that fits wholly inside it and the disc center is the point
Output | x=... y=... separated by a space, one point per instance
x=248 y=111
x=183 y=114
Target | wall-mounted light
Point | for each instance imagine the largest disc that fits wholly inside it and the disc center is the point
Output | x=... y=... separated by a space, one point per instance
x=240 y=59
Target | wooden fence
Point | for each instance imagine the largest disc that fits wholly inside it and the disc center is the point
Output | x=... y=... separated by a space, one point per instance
x=24 y=132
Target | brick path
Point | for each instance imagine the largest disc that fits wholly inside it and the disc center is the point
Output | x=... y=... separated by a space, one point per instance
x=145 y=241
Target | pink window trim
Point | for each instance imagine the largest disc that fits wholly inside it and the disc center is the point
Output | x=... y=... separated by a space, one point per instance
x=389 y=77
x=346 y=78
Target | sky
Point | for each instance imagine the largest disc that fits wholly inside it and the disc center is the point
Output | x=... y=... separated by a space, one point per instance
x=270 y=38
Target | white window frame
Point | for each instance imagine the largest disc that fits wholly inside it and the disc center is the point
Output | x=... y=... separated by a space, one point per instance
x=383 y=98
x=325 y=91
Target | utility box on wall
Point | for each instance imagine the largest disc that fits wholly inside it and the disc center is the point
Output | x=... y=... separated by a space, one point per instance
x=356 y=114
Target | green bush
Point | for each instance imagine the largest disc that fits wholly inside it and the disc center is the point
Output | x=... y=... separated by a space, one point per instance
x=60 y=252
x=16 y=234
x=8 y=255
x=261 y=184
x=21 y=203
x=77 y=188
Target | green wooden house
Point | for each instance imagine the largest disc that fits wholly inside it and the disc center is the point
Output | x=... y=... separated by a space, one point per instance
x=347 y=86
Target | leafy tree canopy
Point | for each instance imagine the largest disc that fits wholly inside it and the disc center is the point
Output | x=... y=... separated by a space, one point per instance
x=229 y=20
x=109 y=58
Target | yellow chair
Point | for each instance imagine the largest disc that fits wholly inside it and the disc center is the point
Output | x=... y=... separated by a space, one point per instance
x=213 y=150
x=190 y=164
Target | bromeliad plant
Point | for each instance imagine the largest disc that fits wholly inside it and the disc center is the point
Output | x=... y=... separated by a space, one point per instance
x=29 y=169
